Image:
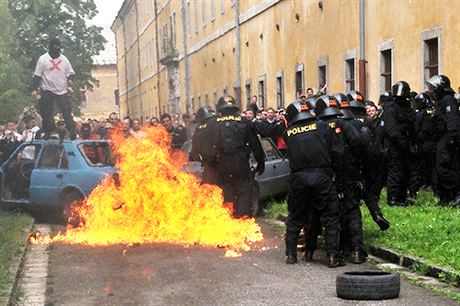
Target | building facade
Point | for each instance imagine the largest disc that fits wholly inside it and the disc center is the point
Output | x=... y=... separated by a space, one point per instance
x=103 y=99
x=177 y=55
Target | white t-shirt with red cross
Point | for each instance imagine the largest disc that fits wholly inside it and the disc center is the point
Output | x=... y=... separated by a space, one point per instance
x=54 y=73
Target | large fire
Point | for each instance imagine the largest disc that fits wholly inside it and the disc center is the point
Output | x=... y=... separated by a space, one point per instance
x=155 y=201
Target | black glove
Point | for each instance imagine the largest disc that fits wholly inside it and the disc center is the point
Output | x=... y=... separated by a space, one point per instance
x=260 y=167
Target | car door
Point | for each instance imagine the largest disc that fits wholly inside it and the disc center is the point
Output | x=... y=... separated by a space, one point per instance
x=17 y=172
x=279 y=168
x=267 y=179
x=47 y=178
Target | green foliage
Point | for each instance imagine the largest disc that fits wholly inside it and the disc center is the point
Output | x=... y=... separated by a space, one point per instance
x=274 y=209
x=27 y=28
x=424 y=230
x=11 y=240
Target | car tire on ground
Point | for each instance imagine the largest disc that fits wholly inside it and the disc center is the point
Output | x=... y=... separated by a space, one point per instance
x=368 y=285
x=70 y=199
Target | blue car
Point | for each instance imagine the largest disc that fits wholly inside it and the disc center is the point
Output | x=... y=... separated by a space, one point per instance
x=50 y=173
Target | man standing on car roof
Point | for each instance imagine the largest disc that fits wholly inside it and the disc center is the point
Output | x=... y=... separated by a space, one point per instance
x=54 y=72
x=234 y=137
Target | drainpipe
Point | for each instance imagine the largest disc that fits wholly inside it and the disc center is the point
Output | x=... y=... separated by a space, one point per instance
x=126 y=68
x=188 y=107
x=158 y=57
x=238 y=54
x=141 y=110
x=362 y=49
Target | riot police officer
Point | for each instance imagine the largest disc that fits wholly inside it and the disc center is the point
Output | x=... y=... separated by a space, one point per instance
x=314 y=154
x=349 y=181
x=428 y=135
x=398 y=121
x=446 y=165
x=234 y=138
x=365 y=159
x=202 y=146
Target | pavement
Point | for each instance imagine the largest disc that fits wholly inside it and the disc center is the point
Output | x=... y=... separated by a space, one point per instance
x=30 y=274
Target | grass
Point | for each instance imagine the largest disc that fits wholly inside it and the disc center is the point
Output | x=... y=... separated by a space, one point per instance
x=11 y=241
x=424 y=230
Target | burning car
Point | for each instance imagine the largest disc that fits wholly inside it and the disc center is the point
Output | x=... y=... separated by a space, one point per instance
x=49 y=173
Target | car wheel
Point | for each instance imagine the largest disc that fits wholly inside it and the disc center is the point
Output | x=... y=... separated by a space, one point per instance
x=368 y=285
x=255 y=199
x=70 y=200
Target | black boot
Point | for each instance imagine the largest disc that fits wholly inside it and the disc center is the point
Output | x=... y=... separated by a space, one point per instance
x=358 y=256
x=335 y=261
x=307 y=256
x=380 y=220
x=456 y=202
x=291 y=259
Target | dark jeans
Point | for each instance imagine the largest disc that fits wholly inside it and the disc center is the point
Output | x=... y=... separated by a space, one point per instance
x=46 y=104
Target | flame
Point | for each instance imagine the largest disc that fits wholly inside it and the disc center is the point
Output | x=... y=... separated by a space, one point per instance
x=155 y=201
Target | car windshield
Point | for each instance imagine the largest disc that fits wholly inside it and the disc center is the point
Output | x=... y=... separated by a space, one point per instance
x=97 y=154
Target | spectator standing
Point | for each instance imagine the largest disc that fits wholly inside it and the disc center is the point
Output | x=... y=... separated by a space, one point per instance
x=54 y=72
x=29 y=111
x=137 y=125
x=178 y=136
x=113 y=119
x=253 y=105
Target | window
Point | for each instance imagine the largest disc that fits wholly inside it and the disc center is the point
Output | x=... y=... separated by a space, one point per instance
x=431 y=53
x=386 y=65
x=279 y=89
x=350 y=71
x=386 y=73
x=189 y=31
x=199 y=100
x=97 y=154
x=299 y=85
x=172 y=29
x=192 y=102
x=117 y=97
x=224 y=90
x=322 y=73
x=206 y=97
x=261 y=91
x=83 y=101
x=248 y=92
x=214 y=96
x=53 y=157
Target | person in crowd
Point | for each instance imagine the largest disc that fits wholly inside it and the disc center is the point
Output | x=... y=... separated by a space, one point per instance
x=154 y=122
x=110 y=129
x=398 y=120
x=234 y=137
x=249 y=114
x=427 y=127
x=202 y=145
x=11 y=127
x=372 y=111
x=102 y=122
x=303 y=96
x=137 y=125
x=253 y=105
x=54 y=72
x=78 y=126
x=271 y=127
x=314 y=153
x=446 y=168
x=9 y=141
x=113 y=118
x=86 y=133
x=126 y=127
x=29 y=111
x=178 y=136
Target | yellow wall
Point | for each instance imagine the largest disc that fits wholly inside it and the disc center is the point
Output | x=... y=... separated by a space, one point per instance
x=306 y=35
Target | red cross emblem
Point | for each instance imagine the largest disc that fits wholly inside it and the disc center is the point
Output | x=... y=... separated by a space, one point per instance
x=55 y=65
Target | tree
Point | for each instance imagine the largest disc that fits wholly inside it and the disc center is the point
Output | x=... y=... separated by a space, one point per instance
x=13 y=96
x=38 y=21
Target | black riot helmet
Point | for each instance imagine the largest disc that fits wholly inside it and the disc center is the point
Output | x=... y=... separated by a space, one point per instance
x=311 y=104
x=440 y=83
x=227 y=103
x=355 y=95
x=400 y=90
x=297 y=111
x=204 y=113
x=423 y=100
x=326 y=106
x=384 y=98
x=344 y=105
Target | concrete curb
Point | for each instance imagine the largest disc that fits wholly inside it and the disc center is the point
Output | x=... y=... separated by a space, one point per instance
x=16 y=266
x=445 y=275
